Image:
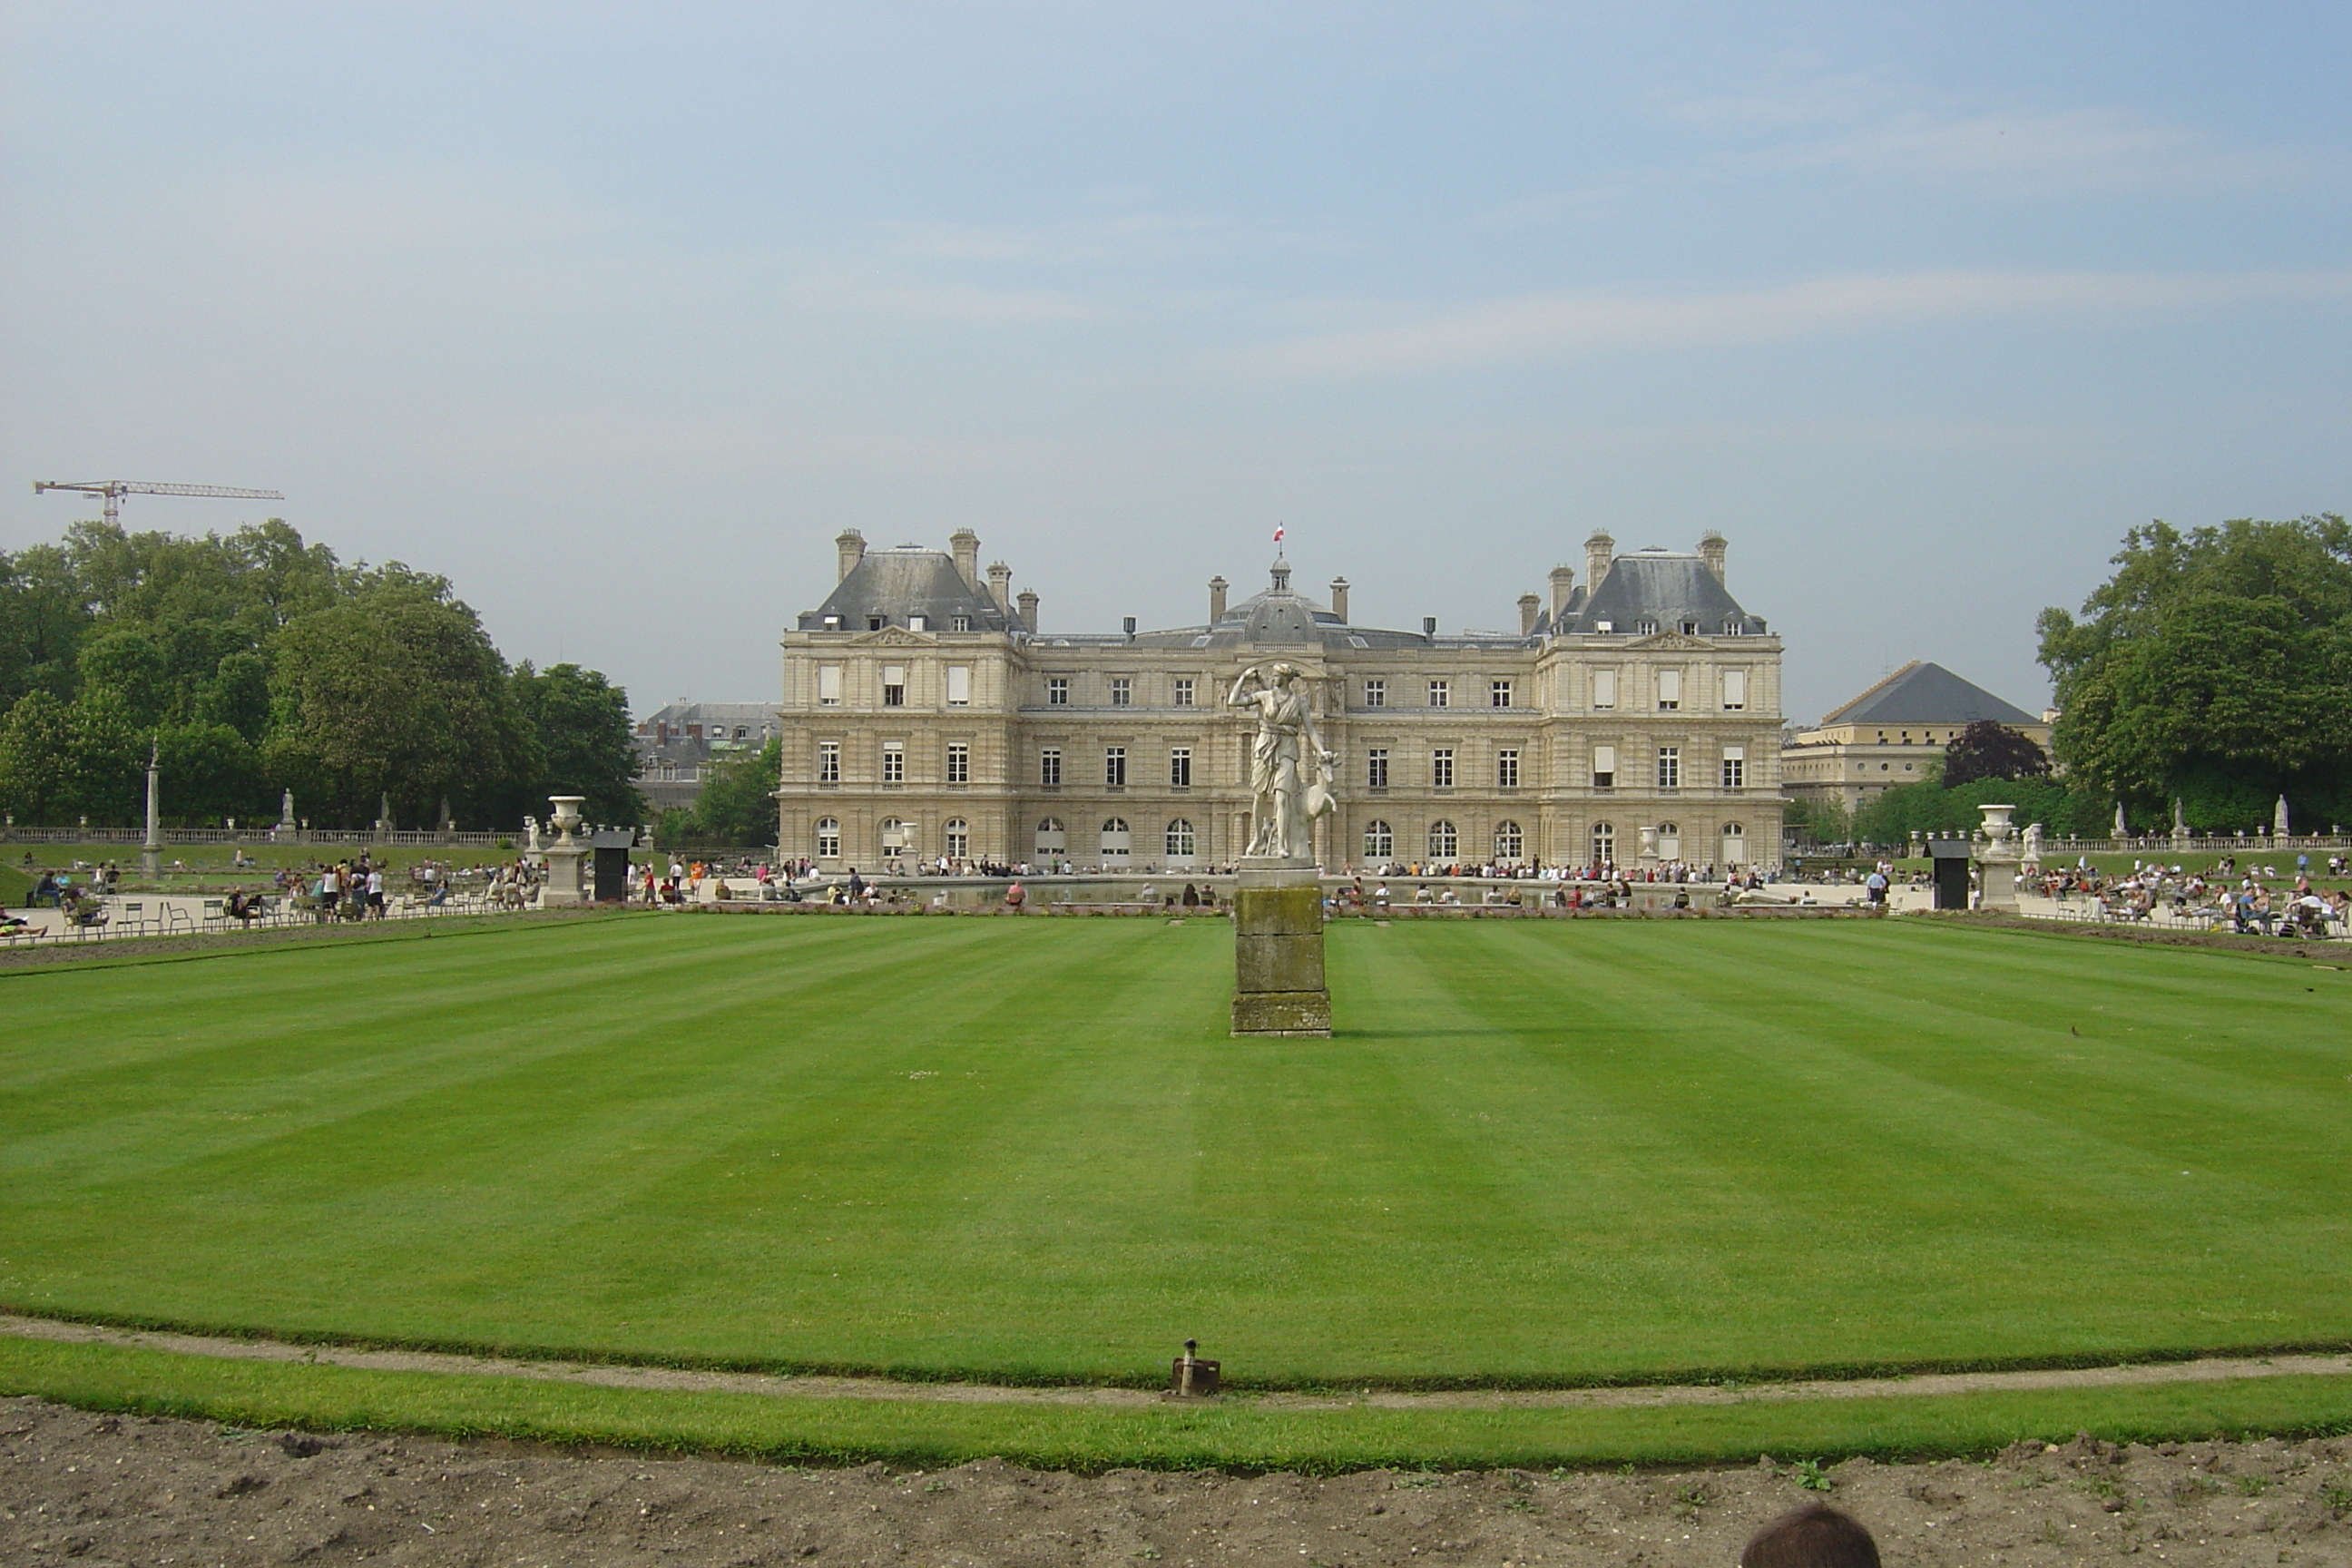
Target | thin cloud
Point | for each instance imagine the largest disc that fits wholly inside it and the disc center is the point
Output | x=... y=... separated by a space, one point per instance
x=2075 y=150
x=1567 y=325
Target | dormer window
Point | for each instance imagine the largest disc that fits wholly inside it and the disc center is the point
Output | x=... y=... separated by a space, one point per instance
x=919 y=623
x=876 y=623
x=1604 y=625
x=1690 y=629
x=1647 y=628
x=960 y=624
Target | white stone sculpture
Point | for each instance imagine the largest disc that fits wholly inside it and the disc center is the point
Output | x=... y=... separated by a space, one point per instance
x=2034 y=845
x=567 y=816
x=530 y=835
x=1280 y=780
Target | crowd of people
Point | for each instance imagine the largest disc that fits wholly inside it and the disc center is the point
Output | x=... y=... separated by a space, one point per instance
x=2259 y=900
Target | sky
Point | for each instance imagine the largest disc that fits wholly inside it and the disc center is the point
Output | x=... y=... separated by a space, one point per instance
x=615 y=315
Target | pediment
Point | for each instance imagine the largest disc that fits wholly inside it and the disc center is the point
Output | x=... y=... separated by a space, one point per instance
x=1669 y=642
x=895 y=637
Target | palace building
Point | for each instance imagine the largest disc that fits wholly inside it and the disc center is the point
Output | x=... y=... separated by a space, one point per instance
x=1633 y=717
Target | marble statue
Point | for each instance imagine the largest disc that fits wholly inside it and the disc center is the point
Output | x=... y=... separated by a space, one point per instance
x=1290 y=773
x=530 y=835
x=2032 y=856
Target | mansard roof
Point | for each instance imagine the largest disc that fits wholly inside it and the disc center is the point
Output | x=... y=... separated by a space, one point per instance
x=1922 y=693
x=1661 y=588
x=896 y=584
x=1279 y=616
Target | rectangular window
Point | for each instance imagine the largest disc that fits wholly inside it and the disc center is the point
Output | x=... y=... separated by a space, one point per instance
x=894 y=762
x=1058 y=692
x=828 y=684
x=1735 y=689
x=960 y=624
x=1376 y=768
x=894 y=686
x=1376 y=694
x=1498 y=694
x=1441 y=768
x=1604 y=689
x=959 y=763
x=1604 y=767
x=1183 y=697
x=1735 y=767
x=1179 y=767
x=1670 y=767
x=1441 y=694
x=1122 y=691
x=828 y=762
x=1507 y=768
x=1115 y=766
x=959 y=686
x=1049 y=766
x=1670 y=689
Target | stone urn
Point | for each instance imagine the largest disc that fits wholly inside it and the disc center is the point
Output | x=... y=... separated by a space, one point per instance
x=1996 y=823
x=566 y=818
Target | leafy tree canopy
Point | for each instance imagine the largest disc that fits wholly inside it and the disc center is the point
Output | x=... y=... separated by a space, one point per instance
x=1988 y=751
x=257 y=661
x=2215 y=668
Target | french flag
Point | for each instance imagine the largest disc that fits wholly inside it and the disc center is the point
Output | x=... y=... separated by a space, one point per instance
x=1277 y=533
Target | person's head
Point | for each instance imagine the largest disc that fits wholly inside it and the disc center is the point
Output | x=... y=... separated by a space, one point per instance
x=1813 y=1536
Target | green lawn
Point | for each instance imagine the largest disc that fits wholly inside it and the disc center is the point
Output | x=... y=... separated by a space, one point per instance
x=1537 y=1152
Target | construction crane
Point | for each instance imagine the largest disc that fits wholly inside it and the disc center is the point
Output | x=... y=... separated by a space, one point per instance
x=115 y=490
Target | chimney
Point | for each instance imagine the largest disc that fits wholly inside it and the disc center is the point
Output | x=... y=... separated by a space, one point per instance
x=1000 y=585
x=1217 y=586
x=1028 y=603
x=965 y=545
x=1563 y=584
x=1599 y=551
x=1339 y=598
x=1128 y=626
x=851 y=544
x=1529 y=608
x=1711 y=546
x=1429 y=625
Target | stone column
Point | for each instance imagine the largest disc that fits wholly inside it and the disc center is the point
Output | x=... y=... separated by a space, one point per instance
x=151 y=853
x=1997 y=861
x=1278 y=986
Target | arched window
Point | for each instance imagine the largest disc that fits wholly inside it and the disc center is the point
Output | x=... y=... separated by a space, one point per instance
x=1604 y=843
x=1051 y=841
x=898 y=837
x=828 y=838
x=1670 y=841
x=1117 y=842
x=1734 y=845
x=1443 y=842
x=1509 y=842
x=955 y=840
x=1179 y=840
x=1380 y=842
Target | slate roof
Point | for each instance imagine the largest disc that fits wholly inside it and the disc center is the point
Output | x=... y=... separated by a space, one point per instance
x=896 y=584
x=1661 y=588
x=1279 y=616
x=1921 y=693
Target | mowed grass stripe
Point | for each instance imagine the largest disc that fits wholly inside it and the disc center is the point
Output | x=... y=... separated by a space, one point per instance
x=1537 y=1152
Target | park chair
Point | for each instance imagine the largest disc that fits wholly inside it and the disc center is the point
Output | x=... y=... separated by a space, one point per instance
x=215 y=912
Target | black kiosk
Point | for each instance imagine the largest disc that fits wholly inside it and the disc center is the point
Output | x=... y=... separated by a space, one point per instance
x=1951 y=856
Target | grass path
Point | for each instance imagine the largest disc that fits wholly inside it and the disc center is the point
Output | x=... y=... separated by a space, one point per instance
x=1552 y=1153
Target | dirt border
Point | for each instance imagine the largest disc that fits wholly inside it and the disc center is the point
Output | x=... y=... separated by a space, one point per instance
x=2211 y=1369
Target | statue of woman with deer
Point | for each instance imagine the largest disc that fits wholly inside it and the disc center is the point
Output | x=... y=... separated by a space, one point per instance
x=1291 y=775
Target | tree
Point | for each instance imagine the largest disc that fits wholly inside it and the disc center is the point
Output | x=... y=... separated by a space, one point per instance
x=737 y=803
x=210 y=772
x=2214 y=666
x=131 y=667
x=581 y=721
x=1988 y=751
x=35 y=740
x=398 y=694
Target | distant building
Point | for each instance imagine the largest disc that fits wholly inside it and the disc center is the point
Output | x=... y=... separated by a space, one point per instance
x=1632 y=718
x=1891 y=733
x=677 y=745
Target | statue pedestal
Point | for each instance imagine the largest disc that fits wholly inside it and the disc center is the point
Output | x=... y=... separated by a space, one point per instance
x=1278 y=986
x=566 y=883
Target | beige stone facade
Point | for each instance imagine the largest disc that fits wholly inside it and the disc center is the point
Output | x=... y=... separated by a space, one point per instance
x=924 y=716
